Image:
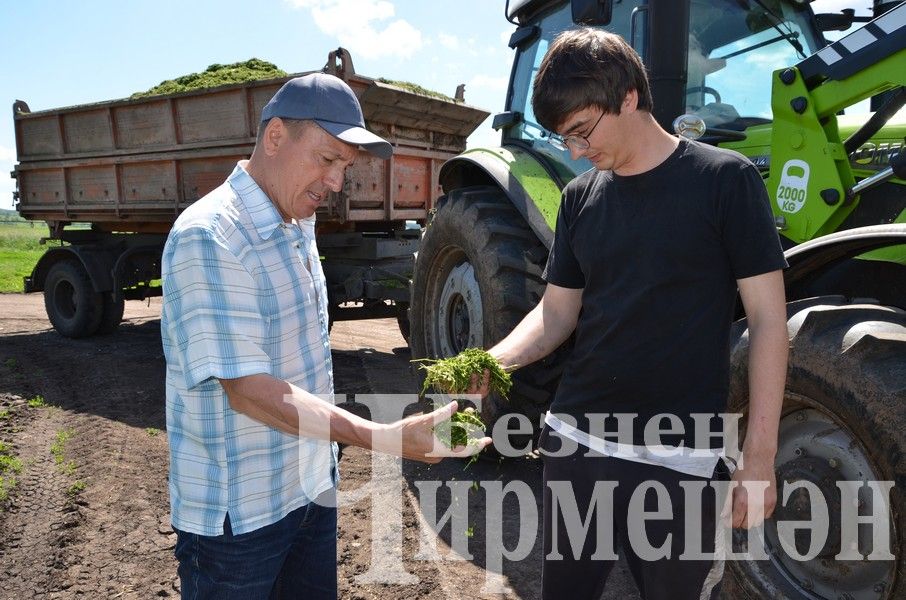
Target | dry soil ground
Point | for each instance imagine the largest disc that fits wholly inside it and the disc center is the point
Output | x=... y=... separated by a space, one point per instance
x=91 y=520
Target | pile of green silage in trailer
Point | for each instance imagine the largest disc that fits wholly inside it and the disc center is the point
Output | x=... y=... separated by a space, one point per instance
x=415 y=88
x=454 y=376
x=216 y=75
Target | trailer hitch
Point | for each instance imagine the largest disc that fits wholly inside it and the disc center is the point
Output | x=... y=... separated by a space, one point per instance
x=339 y=63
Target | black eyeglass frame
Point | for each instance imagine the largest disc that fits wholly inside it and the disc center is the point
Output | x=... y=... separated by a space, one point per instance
x=574 y=140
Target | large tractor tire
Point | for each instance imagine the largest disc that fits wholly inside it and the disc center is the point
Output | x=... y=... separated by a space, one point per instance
x=477 y=274
x=843 y=419
x=73 y=307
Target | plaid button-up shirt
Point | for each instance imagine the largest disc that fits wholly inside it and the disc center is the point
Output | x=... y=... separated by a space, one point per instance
x=244 y=293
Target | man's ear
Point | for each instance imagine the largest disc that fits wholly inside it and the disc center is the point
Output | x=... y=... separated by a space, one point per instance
x=274 y=135
x=630 y=102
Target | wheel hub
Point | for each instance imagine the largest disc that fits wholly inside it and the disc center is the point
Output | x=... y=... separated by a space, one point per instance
x=64 y=298
x=815 y=448
x=460 y=320
x=798 y=506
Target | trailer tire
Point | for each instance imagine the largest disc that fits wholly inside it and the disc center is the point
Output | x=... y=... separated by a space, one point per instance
x=477 y=274
x=112 y=313
x=842 y=419
x=73 y=307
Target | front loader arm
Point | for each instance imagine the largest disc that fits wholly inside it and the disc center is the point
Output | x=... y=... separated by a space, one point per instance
x=811 y=181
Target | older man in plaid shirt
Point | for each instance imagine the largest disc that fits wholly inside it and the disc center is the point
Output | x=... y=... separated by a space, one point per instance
x=250 y=418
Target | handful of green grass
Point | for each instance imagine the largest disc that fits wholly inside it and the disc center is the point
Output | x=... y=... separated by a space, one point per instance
x=454 y=376
x=461 y=429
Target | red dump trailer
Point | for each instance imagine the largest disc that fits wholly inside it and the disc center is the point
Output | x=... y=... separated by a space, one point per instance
x=129 y=167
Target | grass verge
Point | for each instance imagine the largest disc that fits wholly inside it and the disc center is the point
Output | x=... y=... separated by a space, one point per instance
x=75 y=489
x=10 y=466
x=58 y=448
x=19 y=253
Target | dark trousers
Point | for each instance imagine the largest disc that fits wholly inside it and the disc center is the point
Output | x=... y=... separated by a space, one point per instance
x=581 y=574
x=296 y=557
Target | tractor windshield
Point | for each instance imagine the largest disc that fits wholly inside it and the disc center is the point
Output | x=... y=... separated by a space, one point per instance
x=734 y=46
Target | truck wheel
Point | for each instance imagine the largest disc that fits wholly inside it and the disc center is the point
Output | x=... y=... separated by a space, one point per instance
x=112 y=313
x=477 y=274
x=72 y=305
x=842 y=420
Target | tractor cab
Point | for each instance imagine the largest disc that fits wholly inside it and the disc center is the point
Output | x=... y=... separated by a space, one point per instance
x=709 y=58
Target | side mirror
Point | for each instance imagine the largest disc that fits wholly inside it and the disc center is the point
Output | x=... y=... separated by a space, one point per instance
x=524 y=35
x=592 y=12
x=836 y=21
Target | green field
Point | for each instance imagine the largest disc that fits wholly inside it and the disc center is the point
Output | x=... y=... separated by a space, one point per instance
x=19 y=252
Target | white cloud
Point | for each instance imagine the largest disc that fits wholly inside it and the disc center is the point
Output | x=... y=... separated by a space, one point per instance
x=488 y=82
x=365 y=27
x=448 y=41
x=484 y=137
x=7 y=155
x=772 y=60
x=472 y=47
x=7 y=184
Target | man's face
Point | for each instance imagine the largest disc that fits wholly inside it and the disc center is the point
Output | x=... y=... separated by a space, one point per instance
x=606 y=134
x=308 y=167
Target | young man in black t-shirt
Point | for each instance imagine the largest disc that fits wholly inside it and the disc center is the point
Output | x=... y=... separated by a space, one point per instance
x=649 y=251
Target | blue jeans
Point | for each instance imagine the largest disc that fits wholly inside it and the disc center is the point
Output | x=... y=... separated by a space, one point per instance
x=296 y=557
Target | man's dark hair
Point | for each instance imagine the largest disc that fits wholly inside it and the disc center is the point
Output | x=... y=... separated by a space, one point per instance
x=587 y=67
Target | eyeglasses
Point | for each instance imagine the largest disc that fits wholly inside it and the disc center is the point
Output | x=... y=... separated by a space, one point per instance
x=575 y=141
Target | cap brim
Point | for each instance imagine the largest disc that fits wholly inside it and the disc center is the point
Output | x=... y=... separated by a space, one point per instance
x=352 y=134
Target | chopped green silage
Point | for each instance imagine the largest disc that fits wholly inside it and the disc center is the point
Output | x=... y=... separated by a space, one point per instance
x=461 y=429
x=416 y=89
x=454 y=376
x=216 y=75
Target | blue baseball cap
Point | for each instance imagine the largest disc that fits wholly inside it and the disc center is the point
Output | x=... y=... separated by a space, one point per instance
x=330 y=103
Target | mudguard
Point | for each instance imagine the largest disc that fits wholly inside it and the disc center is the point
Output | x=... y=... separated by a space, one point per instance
x=530 y=186
x=98 y=263
x=807 y=258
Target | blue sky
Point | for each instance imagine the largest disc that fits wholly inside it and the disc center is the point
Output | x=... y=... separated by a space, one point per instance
x=60 y=53
x=63 y=53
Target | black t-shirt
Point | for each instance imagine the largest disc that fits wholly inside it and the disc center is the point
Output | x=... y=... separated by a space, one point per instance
x=657 y=256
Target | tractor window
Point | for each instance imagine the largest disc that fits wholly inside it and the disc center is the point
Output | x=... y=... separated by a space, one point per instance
x=734 y=46
x=527 y=63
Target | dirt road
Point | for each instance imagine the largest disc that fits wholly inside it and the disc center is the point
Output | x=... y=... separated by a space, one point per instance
x=89 y=516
